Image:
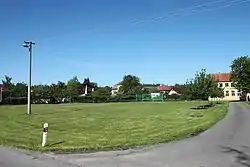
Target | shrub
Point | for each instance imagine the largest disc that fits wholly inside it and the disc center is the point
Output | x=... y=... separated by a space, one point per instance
x=15 y=100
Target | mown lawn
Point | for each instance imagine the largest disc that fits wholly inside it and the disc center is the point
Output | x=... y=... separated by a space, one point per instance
x=89 y=127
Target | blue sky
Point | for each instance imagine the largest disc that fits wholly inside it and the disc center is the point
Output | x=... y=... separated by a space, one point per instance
x=100 y=39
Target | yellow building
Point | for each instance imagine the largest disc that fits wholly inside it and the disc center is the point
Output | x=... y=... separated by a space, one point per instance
x=224 y=82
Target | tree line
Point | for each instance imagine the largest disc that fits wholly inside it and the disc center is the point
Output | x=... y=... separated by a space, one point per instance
x=240 y=69
x=200 y=87
x=74 y=90
x=54 y=93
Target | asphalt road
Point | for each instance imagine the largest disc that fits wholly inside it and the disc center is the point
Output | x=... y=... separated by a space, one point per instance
x=227 y=144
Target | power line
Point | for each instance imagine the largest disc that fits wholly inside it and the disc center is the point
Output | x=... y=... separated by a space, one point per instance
x=195 y=9
x=192 y=7
x=176 y=12
x=224 y=6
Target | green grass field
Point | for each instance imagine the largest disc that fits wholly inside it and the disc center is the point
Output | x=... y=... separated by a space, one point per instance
x=90 y=127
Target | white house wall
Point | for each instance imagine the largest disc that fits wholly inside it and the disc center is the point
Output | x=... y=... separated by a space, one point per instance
x=172 y=92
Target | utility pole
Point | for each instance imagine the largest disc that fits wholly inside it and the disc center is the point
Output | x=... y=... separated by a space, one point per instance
x=29 y=44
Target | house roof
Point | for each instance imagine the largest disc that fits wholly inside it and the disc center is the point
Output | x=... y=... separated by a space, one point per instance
x=178 y=89
x=164 y=88
x=221 y=77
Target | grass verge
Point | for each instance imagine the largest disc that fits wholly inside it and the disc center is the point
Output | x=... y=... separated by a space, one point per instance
x=113 y=126
x=246 y=103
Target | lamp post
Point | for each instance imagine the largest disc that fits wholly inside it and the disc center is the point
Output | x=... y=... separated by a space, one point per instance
x=29 y=44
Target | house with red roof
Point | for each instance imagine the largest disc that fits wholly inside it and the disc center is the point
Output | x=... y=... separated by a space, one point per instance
x=170 y=90
x=224 y=82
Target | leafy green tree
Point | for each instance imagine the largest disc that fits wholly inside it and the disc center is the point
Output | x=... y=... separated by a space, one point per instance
x=40 y=93
x=7 y=83
x=240 y=69
x=61 y=89
x=101 y=93
x=150 y=85
x=8 y=87
x=54 y=90
x=216 y=92
x=130 y=85
x=58 y=90
x=94 y=85
x=20 y=90
x=203 y=86
x=44 y=93
x=74 y=88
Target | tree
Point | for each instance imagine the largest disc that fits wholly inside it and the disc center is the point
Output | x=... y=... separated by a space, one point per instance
x=40 y=93
x=45 y=93
x=240 y=70
x=131 y=85
x=94 y=85
x=20 y=90
x=150 y=85
x=61 y=89
x=58 y=90
x=8 y=87
x=203 y=86
x=101 y=93
x=7 y=84
x=51 y=93
x=74 y=88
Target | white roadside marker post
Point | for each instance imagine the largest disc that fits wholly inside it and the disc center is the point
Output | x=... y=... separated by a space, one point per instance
x=45 y=132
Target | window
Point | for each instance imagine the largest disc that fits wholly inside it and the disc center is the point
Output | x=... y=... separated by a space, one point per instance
x=232 y=84
x=239 y=94
x=226 y=85
x=233 y=93
x=227 y=93
x=221 y=85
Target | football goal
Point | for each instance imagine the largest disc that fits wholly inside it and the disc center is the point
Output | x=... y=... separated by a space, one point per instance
x=150 y=97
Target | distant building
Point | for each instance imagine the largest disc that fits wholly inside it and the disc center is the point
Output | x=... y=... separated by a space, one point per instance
x=158 y=88
x=116 y=89
x=1 y=87
x=88 y=87
x=168 y=90
x=224 y=82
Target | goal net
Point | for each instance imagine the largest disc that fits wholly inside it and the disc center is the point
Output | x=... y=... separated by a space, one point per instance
x=150 y=97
